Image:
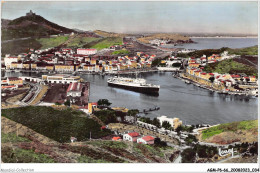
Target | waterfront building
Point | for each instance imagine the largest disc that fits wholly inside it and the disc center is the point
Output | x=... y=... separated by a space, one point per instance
x=61 y=78
x=146 y=140
x=9 y=60
x=64 y=68
x=16 y=65
x=174 y=122
x=78 y=93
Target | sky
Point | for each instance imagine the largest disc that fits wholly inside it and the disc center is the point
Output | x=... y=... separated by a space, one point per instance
x=144 y=17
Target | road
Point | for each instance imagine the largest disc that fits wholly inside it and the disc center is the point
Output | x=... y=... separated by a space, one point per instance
x=26 y=38
x=223 y=160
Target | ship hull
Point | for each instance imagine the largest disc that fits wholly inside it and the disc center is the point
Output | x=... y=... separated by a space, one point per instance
x=146 y=90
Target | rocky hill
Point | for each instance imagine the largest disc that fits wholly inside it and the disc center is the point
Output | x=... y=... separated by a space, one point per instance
x=30 y=26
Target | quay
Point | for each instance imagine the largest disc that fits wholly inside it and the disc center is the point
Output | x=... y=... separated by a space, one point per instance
x=189 y=81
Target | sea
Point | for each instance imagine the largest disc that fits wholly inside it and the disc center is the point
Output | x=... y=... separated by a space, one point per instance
x=216 y=43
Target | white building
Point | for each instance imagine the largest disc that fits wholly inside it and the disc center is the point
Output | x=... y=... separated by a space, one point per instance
x=131 y=136
x=146 y=140
x=61 y=78
x=8 y=60
x=86 y=51
x=174 y=122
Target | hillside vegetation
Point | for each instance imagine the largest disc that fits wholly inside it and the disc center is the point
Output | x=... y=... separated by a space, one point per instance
x=32 y=147
x=244 y=51
x=58 y=125
x=242 y=131
x=106 y=43
x=208 y=52
x=52 y=42
x=230 y=66
x=19 y=46
x=81 y=41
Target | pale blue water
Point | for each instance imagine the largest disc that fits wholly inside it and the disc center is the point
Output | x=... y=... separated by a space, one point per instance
x=216 y=43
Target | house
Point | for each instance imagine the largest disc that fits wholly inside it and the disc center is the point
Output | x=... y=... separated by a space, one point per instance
x=146 y=140
x=86 y=51
x=116 y=138
x=14 y=81
x=73 y=139
x=131 y=136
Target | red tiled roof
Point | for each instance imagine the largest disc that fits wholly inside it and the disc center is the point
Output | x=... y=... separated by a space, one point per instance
x=235 y=76
x=133 y=134
x=94 y=103
x=14 y=78
x=148 y=138
x=116 y=138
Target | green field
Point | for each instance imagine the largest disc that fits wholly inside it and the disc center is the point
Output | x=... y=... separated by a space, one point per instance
x=208 y=52
x=52 y=42
x=234 y=126
x=55 y=124
x=12 y=137
x=107 y=42
x=230 y=66
x=81 y=41
x=121 y=52
x=244 y=51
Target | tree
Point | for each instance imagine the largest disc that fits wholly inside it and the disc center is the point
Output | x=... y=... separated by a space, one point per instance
x=188 y=155
x=190 y=139
x=104 y=102
x=132 y=112
x=211 y=79
x=159 y=143
x=179 y=129
x=166 y=125
x=156 y=122
x=67 y=103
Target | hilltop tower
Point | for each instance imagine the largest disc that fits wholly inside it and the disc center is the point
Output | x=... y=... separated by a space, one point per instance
x=30 y=13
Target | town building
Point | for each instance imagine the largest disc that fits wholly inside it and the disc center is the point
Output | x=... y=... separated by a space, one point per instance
x=78 y=93
x=174 y=122
x=146 y=140
x=131 y=136
x=86 y=51
x=61 y=78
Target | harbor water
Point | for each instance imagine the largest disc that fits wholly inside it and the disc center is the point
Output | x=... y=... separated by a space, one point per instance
x=190 y=103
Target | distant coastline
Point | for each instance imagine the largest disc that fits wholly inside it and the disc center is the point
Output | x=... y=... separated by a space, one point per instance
x=224 y=37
